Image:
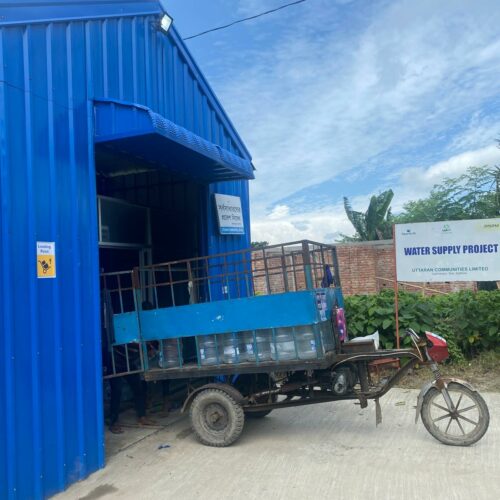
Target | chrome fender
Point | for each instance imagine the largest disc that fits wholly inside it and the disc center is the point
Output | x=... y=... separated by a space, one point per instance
x=427 y=387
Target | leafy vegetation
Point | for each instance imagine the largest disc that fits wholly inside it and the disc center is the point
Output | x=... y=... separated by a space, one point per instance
x=376 y=222
x=259 y=244
x=473 y=195
x=469 y=321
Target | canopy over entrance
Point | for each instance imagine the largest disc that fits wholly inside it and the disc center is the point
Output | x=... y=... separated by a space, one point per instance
x=131 y=132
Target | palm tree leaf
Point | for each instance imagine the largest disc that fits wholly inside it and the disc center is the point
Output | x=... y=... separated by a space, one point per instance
x=357 y=219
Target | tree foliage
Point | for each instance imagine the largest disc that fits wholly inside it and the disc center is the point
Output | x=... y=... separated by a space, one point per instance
x=473 y=195
x=259 y=244
x=376 y=222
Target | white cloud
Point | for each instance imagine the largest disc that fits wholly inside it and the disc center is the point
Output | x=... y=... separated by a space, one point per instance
x=279 y=212
x=324 y=226
x=416 y=182
x=482 y=129
x=401 y=92
x=316 y=98
x=330 y=221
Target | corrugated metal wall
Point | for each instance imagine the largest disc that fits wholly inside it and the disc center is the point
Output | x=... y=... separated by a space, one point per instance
x=51 y=429
x=50 y=355
x=220 y=244
x=168 y=82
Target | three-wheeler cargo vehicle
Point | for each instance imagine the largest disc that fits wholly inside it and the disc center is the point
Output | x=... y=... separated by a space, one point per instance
x=261 y=329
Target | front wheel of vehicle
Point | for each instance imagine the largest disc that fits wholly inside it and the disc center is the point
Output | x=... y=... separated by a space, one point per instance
x=463 y=426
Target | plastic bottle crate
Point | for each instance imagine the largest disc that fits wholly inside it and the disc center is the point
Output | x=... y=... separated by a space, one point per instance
x=279 y=344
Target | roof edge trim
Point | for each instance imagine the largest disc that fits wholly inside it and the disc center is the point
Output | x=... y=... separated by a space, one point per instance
x=116 y=119
x=49 y=12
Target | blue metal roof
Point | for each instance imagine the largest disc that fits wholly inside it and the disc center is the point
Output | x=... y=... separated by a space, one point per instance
x=41 y=11
x=137 y=131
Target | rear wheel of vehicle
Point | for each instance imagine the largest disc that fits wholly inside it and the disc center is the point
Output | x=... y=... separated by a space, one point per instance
x=465 y=425
x=216 y=418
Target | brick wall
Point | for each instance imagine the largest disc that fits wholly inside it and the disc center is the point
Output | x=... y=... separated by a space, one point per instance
x=368 y=267
x=284 y=273
x=365 y=268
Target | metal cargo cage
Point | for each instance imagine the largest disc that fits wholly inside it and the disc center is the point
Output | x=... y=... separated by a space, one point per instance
x=260 y=306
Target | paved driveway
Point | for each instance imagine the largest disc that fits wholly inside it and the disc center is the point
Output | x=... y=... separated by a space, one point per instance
x=332 y=450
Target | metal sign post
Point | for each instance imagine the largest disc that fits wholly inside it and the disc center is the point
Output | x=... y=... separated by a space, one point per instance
x=396 y=286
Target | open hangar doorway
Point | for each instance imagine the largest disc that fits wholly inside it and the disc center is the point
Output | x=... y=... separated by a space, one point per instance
x=154 y=184
x=153 y=214
x=146 y=216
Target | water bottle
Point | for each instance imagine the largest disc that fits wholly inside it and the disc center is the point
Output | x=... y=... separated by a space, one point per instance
x=285 y=345
x=169 y=354
x=260 y=348
x=246 y=346
x=306 y=342
x=230 y=348
x=263 y=343
x=207 y=350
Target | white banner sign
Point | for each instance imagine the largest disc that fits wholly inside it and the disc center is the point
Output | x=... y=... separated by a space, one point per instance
x=230 y=214
x=466 y=250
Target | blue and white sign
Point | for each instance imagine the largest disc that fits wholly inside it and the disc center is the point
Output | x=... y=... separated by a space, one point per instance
x=466 y=250
x=230 y=214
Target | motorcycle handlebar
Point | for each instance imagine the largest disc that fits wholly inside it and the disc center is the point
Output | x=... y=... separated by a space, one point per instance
x=417 y=339
x=412 y=334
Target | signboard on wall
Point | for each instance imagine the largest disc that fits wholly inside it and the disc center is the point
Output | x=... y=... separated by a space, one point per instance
x=229 y=213
x=46 y=259
x=466 y=250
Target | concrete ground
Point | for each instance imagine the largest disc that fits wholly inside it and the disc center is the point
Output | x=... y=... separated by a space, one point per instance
x=331 y=450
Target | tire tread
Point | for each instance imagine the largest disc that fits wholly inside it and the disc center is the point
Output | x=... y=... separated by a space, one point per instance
x=457 y=441
x=239 y=418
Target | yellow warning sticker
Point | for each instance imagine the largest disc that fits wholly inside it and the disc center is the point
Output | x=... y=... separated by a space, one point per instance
x=46 y=259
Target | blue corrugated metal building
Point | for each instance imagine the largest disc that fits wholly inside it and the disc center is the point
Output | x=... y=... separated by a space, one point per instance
x=112 y=145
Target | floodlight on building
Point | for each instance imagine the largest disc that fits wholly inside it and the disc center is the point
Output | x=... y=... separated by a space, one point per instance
x=166 y=21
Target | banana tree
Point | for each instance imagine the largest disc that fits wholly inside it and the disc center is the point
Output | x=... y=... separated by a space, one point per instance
x=376 y=222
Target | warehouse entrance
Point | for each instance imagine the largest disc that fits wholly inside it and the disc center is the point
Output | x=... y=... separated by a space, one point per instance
x=145 y=217
x=153 y=212
x=153 y=186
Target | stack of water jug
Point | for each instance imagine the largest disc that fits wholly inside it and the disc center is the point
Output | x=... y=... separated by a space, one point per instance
x=282 y=344
x=169 y=353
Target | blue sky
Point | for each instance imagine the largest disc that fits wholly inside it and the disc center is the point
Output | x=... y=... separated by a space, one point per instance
x=350 y=97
